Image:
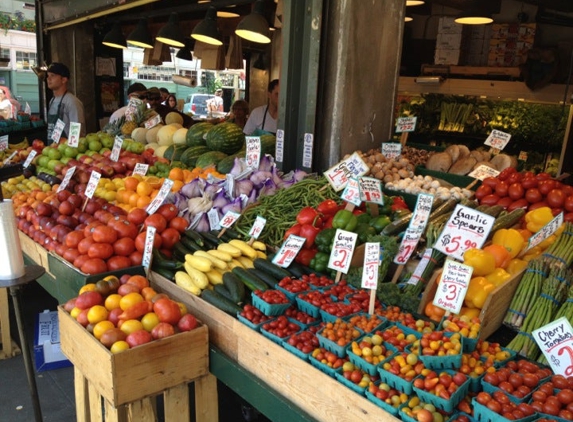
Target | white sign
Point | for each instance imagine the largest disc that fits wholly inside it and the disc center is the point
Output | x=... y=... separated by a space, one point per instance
x=371 y=190
x=351 y=193
x=453 y=286
x=288 y=251
x=342 y=250
x=258 y=227
x=339 y=174
x=154 y=121
x=161 y=195
x=279 y=146
x=497 y=139
x=116 y=150
x=29 y=158
x=27 y=108
x=229 y=219
x=92 y=184
x=415 y=228
x=7 y=160
x=307 y=150
x=3 y=143
x=406 y=124
x=58 y=129
x=148 y=247
x=371 y=264
x=417 y=274
x=213 y=216
x=556 y=342
x=522 y=156
x=141 y=169
x=253 y=153
x=67 y=179
x=546 y=231
x=391 y=150
x=483 y=172
x=466 y=229
x=74 y=135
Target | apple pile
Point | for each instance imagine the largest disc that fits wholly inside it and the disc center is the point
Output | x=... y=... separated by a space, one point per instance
x=126 y=312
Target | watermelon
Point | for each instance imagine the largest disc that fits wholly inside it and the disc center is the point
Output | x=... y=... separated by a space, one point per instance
x=189 y=157
x=226 y=137
x=174 y=152
x=211 y=158
x=196 y=133
x=226 y=164
x=268 y=144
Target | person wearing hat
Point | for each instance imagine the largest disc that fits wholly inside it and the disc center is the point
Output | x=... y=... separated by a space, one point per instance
x=136 y=92
x=154 y=101
x=64 y=105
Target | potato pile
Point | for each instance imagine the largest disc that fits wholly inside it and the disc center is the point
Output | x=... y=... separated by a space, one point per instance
x=387 y=170
x=458 y=159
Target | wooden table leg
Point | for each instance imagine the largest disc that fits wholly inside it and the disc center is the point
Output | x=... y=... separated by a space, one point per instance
x=143 y=410
x=206 y=399
x=176 y=404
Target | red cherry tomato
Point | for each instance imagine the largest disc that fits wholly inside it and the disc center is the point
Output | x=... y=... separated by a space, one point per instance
x=483 y=191
x=529 y=182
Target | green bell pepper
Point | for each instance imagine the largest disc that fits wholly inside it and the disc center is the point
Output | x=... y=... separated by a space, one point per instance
x=320 y=262
x=363 y=218
x=364 y=231
x=324 y=239
x=344 y=220
x=380 y=222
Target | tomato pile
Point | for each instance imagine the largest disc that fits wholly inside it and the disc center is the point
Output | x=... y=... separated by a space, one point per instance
x=517 y=378
x=304 y=341
x=281 y=327
x=273 y=297
x=299 y=316
x=554 y=398
x=512 y=189
x=499 y=402
x=396 y=337
x=254 y=315
x=405 y=366
x=294 y=285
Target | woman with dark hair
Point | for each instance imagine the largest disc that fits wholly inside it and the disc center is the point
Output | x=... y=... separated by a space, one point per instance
x=264 y=118
x=171 y=101
x=239 y=113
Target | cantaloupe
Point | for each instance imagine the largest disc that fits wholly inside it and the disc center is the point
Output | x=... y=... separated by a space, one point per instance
x=177 y=125
x=153 y=146
x=173 y=117
x=160 y=150
x=151 y=135
x=180 y=136
x=138 y=135
x=165 y=135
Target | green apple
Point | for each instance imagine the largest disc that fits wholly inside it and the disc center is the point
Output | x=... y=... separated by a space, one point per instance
x=43 y=161
x=65 y=160
x=53 y=163
x=54 y=154
x=70 y=152
x=104 y=149
x=106 y=140
x=94 y=145
x=82 y=145
x=137 y=148
x=89 y=152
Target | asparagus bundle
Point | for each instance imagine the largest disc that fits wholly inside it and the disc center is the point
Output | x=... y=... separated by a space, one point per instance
x=553 y=292
x=560 y=253
x=526 y=293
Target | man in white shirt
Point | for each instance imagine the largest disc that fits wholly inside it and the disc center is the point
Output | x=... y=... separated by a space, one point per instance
x=135 y=91
x=264 y=118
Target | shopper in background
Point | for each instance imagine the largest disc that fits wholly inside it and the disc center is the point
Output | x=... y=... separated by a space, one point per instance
x=154 y=102
x=164 y=95
x=64 y=105
x=171 y=101
x=215 y=104
x=263 y=119
x=16 y=107
x=5 y=106
x=136 y=91
x=239 y=113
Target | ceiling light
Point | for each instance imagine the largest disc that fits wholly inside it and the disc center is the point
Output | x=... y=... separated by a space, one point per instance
x=115 y=38
x=414 y=2
x=206 y=31
x=225 y=14
x=171 y=34
x=254 y=27
x=408 y=19
x=474 y=17
x=140 y=36
x=185 y=52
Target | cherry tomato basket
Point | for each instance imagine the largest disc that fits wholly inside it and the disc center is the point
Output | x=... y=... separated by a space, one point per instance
x=442 y=362
x=327 y=317
x=278 y=340
x=294 y=350
x=404 y=416
x=469 y=344
x=383 y=322
x=457 y=414
x=360 y=363
x=393 y=380
x=354 y=387
x=290 y=295
x=309 y=308
x=331 y=346
x=324 y=367
x=551 y=417
x=302 y=324
x=489 y=388
x=475 y=383
x=408 y=330
x=483 y=414
x=501 y=363
x=381 y=403
x=268 y=308
x=443 y=404
x=334 y=297
x=256 y=327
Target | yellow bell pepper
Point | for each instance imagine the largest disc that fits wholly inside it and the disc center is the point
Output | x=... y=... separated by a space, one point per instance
x=510 y=239
x=515 y=266
x=547 y=242
x=538 y=218
x=482 y=261
x=470 y=312
x=498 y=277
x=478 y=291
x=532 y=253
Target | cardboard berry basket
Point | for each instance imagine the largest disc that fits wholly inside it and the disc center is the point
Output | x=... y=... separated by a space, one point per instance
x=136 y=373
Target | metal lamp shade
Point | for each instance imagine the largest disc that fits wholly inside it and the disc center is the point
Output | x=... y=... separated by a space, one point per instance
x=140 y=36
x=115 y=38
x=206 y=31
x=185 y=52
x=254 y=27
x=474 y=17
x=171 y=34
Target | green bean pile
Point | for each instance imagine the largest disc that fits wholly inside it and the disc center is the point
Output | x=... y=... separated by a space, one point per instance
x=281 y=209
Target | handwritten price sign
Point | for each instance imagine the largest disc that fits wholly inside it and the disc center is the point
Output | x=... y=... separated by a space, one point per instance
x=406 y=124
x=253 y=153
x=288 y=251
x=417 y=274
x=92 y=184
x=497 y=139
x=556 y=342
x=371 y=264
x=58 y=129
x=371 y=190
x=453 y=286
x=229 y=219
x=545 y=231
x=141 y=169
x=161 y=195
x=29 y=158
x=338 y=175
x=279 y=146
x=342 y=250
x=351 y=193
x=117 y=143
x=154 y=121
x=213 y=216
x=148 y=247
x=67 y=178
x=258 y=227
x=391 y=150
x=3 y=143
x=482 y=172
x=75 y=130
x=415 y=228
x=466 y=228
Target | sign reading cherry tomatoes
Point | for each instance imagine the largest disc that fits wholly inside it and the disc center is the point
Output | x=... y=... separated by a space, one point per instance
x=288 y=251
x=453 y=286
x=342 y=250
x=556 y=342
x=371 y=264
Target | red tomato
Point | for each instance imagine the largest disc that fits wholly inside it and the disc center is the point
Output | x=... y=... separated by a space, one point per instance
x=546 y=186
x=125 y=228
x=140 y=241
x=167 y=311
x=100 y=250
x=168 y=211
x=556 y=198
x=543 y=176
x=533 y=195
x=136 y=257
x=71 y=254
x=490 y=181
x=124 y=246
x=85 y=244
x=104 y=234
x=514 y=178
x=179 y=223
x=567 y=189
x=568 y=204
x=157 y=221
x=490 y=199
x=80 y=260
x=536 y=205
x=568 y=217
x=482 y=191
x=137 y=216
x=169 y=237
x=118 y=262
x=505 y=202
x=501 y=189
x=94 y=266
x=73 y=238
x=529 y=182
x=90 y=227
x=516 y=191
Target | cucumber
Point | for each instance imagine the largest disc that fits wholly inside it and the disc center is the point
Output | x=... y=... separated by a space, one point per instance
x=222 y=290
x=398 y=226
x=190 y=244
x=250 y=280
x=160 y=261
x=194 y=236
x=221 y=302
x=210 y=240
x=168 y=274
x=296 y=269
x=493 y=210
x=267 y=278
x=507 y=221
x=235 y=287
x=270 y=268
x=447 y=206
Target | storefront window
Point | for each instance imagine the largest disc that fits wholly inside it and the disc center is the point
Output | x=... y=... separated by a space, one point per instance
x=25 y=60
x=4 y=53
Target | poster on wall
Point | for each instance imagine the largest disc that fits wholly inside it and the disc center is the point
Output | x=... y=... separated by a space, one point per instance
x=110 y=91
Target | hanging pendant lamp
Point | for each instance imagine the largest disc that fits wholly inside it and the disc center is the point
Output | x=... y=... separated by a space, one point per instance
x=254 y=27
x=140 y=36
x=171 y=34
x=206 y=31
x=474 y=16
x=115 y=38
x=414 y=2
x=185 y=52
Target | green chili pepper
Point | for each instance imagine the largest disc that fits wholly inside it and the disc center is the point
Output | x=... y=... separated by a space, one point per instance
x=344 y=220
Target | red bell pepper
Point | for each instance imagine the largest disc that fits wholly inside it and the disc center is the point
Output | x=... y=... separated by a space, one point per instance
x=327 y=207
x=293 y=230
x=398 y=203
x=306 y=216
x=309 y=232
x=305 y=256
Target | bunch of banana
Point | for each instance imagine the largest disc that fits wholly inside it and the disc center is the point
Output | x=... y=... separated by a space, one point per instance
x=204 y=269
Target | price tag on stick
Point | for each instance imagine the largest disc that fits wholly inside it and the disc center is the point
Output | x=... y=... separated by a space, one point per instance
x=483 y=172
x=453 y=286
x=7 y=160
x=75 y=130
x=545 y=231
x=406 y=124
x=141 y=169
x=4 y=143
x=253 y=153
x=556 y=342
x=117 y=143
x=148 y=247
x=339 y=174
x=29 y=158
x=257 y=227
x=351 y=193
x=342 y=251
x=370 y=271
x=415 y=229
x=161 y=195
x=67 y=179
x=391 y=150
x=279 y=147
x=497 y=139
x=57 y=132
x=91 y=187
x=288 y=251
x=371 y=190
x=227 y=221
x=213 y=216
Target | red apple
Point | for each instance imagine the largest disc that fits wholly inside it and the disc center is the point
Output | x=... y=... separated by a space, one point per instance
x=138 y=338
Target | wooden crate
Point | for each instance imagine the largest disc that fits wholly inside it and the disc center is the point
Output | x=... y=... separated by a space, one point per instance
x=319 y=395
x=494 y=308
x=139 y=372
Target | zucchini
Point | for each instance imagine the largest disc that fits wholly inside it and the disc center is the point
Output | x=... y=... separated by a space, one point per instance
x=224 y=237
x=168 y=274
x=160 y=261
x=296 y=269
x=194 y=236
x=267 y=278
x=190 y=244
x=233 y=234
x=507 y=221
x=250 y=280
x=210 y=240
x=222 y=290
x=270 y=268
x=181 y=250
x=221 y=302
x=447 y=206
x=235 y=287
